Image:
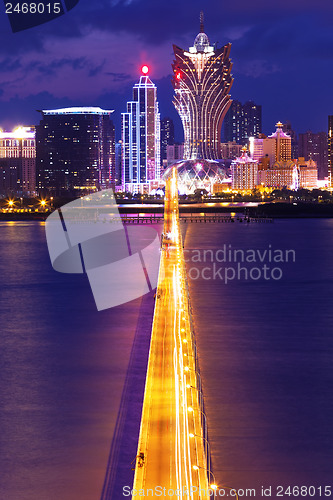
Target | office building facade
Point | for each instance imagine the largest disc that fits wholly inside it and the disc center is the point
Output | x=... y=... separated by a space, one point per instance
x=242 y=122
x=167 y=136
x=314 y=146
x=75 y=151
x=18 y=162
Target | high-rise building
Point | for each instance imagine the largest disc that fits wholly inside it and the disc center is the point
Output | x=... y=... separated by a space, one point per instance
x=167 y=136
x=276 y=167
x=175 y=152
x=314 y=147
x=256 y=148
x=118 y=160
x=252 y=119
x=233 y=124
x=275 y=147
x=242 y=122
x=75 y=150
x=330 y=150
x=141 y=136
x=282 y=143
x=202 y=81
x=287 y=128
x=18 y=161
x=244 y=172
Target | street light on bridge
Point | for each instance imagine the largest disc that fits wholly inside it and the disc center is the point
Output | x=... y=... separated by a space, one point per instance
x=191 y=435
x=213 y=485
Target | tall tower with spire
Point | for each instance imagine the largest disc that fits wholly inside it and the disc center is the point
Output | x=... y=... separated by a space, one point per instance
x=141 y=135
x=202 y=81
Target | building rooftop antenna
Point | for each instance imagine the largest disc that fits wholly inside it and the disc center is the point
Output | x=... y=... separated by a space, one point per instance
x=202 y=22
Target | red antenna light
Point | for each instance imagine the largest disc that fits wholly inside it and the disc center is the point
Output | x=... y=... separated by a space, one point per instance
x=145 y=69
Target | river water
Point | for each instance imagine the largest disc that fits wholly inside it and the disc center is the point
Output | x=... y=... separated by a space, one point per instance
x=266 y=352
x=265 y=347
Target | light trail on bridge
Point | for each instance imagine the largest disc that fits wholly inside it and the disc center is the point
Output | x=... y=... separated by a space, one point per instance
x=172 y=449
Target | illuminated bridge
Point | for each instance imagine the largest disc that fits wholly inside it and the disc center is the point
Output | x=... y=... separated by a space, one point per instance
x=173 y=451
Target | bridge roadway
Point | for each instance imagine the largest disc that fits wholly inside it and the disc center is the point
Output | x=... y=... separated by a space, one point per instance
x=171 y=447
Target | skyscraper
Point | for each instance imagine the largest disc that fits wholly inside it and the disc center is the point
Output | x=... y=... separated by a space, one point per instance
x=167 y=136
x=18 y=161
x=330 y=150
x=202 y=81
x=140 y=131
x=242 y=122
x=252 y=120
x=234 y=123
x=314 y=147
x=75 y=150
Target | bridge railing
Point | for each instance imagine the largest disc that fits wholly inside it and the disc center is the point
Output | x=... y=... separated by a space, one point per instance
x=204 y=425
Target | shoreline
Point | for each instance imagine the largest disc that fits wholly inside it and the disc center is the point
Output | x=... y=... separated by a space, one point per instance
x=277 y=210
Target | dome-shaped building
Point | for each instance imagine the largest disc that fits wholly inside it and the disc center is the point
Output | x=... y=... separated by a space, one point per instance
x=198 y=174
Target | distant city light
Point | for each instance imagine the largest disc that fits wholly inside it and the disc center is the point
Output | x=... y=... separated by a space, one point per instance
x=78 y=111
x=19 y=133
x=145 y=69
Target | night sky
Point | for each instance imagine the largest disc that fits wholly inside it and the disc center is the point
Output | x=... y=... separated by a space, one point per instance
x=282 y=53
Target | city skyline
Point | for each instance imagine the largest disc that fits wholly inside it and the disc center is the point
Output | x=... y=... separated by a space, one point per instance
x=78 y=60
